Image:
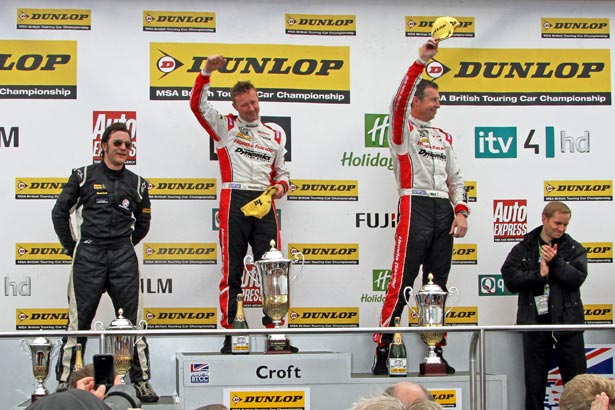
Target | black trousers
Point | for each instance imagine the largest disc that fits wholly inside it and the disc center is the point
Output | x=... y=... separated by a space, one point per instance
x=537 y=348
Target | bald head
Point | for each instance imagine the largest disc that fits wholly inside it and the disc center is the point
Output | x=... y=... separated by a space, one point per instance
x=407 y=392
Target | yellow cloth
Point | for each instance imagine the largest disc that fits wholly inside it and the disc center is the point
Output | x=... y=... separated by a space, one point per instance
x=261 y=205
x=443 y=28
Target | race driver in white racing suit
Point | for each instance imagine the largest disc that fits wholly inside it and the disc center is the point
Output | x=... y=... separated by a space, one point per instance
x=432 y=208
x=251 y=159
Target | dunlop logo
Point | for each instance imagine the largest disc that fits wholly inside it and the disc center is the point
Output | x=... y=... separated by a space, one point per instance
x=471 y=191
x=44 y=319
x=180 y=253
x=182 y=188
x=180 y=318
x=39 y=188
x=599 y=252
x=598 y=314
x=323 y=190
x=327 y=254
x=445 y=398
x=320 y=24
x=420 y=26
x=40 y=254
x=556 y=27
x=457 y=316
x=279 y=400
x=179 y=21
x=598 y=190
x=54 y=19
x=465 y=254
x=323 y=317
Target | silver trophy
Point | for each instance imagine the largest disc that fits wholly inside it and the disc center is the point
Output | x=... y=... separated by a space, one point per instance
x=40 y=350
x=431 y=302
x=273 y=276
x=121 y=346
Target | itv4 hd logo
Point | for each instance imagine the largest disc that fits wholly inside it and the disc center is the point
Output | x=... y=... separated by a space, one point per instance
x=501 y=142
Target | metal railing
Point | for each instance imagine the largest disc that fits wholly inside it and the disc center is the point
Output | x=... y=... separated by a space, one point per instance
x=477 y=362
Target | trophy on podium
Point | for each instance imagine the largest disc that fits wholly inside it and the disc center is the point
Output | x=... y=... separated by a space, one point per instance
x=274 y=271
x=122 y=346
x=431 y=301
x=40 y=351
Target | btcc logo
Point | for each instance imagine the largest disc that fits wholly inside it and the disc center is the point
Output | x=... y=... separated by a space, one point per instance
x=272 y=65
x=545 y=69
x=33 y=62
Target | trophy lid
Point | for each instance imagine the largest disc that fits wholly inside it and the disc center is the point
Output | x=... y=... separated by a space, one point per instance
x=431 y=288
x=120 y=323
x=272 y=254
x=40 y=341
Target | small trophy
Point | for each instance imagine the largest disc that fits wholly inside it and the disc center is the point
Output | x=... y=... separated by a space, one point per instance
x=431 y=301
x=40 y=351
x=274 y=276
x=122 y=346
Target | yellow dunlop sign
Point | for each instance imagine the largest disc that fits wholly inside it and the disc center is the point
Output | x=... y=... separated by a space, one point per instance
x=557 y=27
x=471 y=191
x=281 y=72
x=446 y=398
x=39 y=188
x=321 y=24
x=183 y=21
x=420 y=26
x=486 y=76
x=590 y=190
x=28 y=319
x=323 y=190
x=327 y=253
x=180 y=318
x=34 y=69
x=180 y=253
x=182 y=188
x=465 y=254
x=323 y=317
x=54 y=19
x=457 y=316
x=40 y=254
x=268 y=399
x=599 y=252
x=598 y=314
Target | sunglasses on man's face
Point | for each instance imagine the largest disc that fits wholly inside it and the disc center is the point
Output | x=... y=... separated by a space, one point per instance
x=117 y=143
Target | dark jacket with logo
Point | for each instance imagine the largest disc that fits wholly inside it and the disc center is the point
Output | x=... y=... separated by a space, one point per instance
x=113 y=207
x=567 y=272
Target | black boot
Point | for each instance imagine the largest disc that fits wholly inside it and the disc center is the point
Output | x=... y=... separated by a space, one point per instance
x=449 y=369
x=227 y=347
x=381 y=361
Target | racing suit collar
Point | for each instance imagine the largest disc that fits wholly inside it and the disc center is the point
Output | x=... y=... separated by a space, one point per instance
x=420 y=124
x=249 y=124
x=112 y=172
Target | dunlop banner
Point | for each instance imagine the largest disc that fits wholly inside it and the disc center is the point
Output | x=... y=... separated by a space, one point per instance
x=599 y=252
x=39 y=188
x=54 y=19
x=280 y=72
x=44 y=319
x=598 y=314
x=180 y=318
x=41 y=254
x=179 y=21
x=38 y=69
x=267 y=399
x=180 y=253
x=323 y=317
x=182 y=188
x=321 y=24
x=556 y=27
x=323 y=190
x=327 y=253
x=486 y=76
x=590 y=190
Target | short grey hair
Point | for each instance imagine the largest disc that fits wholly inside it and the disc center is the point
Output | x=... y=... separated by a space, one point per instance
x=379 y=402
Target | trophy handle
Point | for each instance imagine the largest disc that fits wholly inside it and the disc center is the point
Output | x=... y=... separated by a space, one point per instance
x=454 y=293
x=249 y=260
x=298 y=255
x=408 y=292
x=25 y=347
x=143 y=326
x=98 y=325
x=55 y=349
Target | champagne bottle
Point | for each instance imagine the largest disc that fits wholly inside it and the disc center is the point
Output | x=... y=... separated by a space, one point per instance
x=240 y=343
x=78 y=357
x=397 y=355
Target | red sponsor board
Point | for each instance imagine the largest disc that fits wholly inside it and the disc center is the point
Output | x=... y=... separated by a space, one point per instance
x=101 y=120
x=509 y=219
